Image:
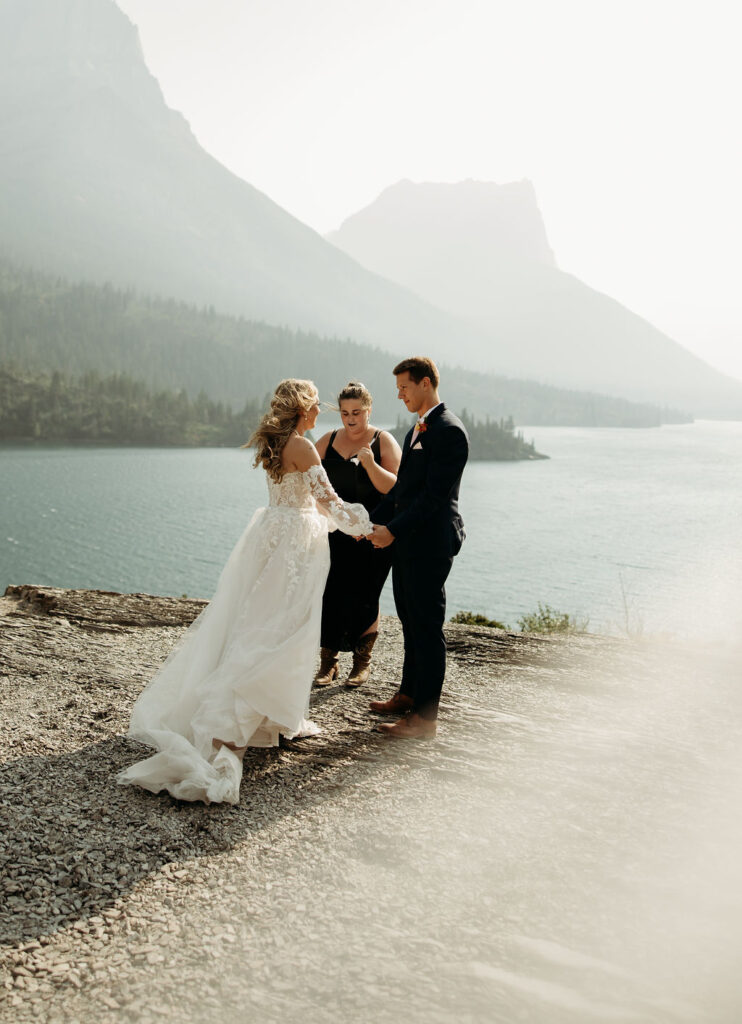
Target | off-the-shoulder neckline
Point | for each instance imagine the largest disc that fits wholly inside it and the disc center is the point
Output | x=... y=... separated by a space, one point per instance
x=301 y=472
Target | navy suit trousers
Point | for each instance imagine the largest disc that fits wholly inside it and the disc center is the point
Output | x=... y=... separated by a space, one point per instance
x=420 y=596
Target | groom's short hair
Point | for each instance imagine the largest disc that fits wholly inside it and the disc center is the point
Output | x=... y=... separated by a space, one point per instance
x=419 y=367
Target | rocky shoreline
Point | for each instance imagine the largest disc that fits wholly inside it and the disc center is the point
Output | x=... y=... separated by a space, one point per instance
x=355 y=870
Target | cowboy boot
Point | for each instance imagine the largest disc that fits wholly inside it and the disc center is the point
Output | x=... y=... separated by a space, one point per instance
x=328 y=667
x=361 y=670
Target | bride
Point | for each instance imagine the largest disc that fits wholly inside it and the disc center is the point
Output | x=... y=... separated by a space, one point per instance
x=243 y=671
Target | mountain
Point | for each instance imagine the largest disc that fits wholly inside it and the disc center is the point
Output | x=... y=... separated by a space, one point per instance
x=48 y=324
x=101 y=181
x=480 y=251
x=459 y=238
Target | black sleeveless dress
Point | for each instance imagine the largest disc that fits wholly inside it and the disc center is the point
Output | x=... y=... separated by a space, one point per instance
x=358 y=571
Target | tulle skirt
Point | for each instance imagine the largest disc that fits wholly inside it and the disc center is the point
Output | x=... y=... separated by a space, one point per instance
x=243 y=671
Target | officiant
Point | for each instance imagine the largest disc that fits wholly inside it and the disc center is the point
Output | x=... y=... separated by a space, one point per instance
x=361 y=462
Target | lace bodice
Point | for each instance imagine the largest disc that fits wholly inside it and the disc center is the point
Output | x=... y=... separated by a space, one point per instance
x=312 y=489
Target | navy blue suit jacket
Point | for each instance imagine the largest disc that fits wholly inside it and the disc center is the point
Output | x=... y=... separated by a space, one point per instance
x=422 y=509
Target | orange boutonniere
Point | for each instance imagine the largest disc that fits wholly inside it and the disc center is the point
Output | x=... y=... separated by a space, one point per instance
x=422 y=426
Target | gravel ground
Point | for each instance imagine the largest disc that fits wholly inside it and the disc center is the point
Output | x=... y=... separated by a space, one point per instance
x=562 y=851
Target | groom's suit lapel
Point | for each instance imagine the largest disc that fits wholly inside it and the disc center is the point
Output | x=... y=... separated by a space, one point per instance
x=406 y=445
x=429 y=419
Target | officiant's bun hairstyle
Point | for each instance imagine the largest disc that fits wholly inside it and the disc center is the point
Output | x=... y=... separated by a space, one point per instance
x=291 y=400
x=419 y=367
x=356 y=392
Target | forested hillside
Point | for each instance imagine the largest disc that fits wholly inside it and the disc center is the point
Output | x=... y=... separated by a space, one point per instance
x=48 y=324
x=489 y=440
x=115 y=410
x=120 y=410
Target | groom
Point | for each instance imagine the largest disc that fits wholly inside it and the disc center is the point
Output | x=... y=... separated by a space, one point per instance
x=420 y=517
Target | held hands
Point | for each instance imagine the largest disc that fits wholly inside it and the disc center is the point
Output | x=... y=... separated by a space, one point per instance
x=381 y=537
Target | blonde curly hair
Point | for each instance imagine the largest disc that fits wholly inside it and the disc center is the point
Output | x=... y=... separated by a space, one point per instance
x=291 y=400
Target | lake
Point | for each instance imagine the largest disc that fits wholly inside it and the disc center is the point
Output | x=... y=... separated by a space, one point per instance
x=637 y=530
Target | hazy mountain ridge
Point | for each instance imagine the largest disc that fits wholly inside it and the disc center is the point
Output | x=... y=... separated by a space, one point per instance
x=488 y=227
x=76 y=42
x=480 y=251
x=103 y=182
x=48 y=324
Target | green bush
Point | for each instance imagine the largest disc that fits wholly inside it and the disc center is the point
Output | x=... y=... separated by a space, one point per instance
x=475 y=619
x=549 y=620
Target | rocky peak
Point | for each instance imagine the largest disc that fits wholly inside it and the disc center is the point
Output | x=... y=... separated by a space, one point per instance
x=67 y=30
x=488 y=220
x=53 y=52
x=450 y=243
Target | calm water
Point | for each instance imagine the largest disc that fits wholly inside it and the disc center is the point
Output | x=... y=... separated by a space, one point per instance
x=634 y=529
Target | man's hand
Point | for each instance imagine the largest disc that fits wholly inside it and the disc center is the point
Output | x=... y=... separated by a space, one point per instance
x=381 y=537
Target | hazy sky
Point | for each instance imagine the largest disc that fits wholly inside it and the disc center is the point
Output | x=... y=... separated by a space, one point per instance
x=625 y=115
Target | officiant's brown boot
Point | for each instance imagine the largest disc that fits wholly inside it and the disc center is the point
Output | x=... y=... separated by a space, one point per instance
x=396 y=705
x=361 y=669
x=411 y=727
x=328 y=667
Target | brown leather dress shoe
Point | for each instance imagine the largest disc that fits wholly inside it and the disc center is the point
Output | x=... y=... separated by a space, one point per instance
x=396 y=705
x=411 y=727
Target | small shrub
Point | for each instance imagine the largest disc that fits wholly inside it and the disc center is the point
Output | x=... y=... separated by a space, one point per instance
x=549 y=620
x=475 y=619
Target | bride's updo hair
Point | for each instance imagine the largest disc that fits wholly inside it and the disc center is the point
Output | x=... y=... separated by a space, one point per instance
x=291 y=400
x=357 y=392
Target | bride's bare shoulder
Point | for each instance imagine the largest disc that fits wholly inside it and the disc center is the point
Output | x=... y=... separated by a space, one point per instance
x=299 y=454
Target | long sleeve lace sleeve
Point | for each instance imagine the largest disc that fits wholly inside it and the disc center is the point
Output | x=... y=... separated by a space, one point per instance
x=348 y=517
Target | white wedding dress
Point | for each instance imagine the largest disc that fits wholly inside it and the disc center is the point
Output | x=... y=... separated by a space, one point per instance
x=243 y=671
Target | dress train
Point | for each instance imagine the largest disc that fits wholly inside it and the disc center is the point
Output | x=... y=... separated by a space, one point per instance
x=243 y=671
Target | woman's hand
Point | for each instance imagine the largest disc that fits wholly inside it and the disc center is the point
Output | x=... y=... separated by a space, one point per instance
x=366 y=457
